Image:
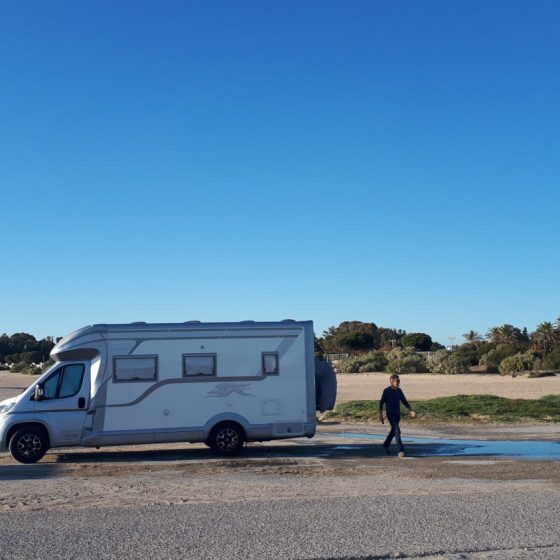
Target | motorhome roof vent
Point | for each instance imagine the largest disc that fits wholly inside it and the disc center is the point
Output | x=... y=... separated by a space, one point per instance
x=138 y=323
x=247 y=321
x=288 y=320
x=193 y=321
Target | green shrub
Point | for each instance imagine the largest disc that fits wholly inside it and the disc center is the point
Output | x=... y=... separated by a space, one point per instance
x=372 y=361
x=419 y=341
x=399 y=353
x=522 y=361
x=468 y=353
x=483 y=348
x=456 y=364
x=448 y=362
x=552 y=361
x=405 y=360
x=435 y=361
x=494 y=358
x=47 y=365
x=17 y=368
x=31 y=370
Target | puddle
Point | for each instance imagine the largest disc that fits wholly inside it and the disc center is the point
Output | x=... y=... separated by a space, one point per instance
x=425 y=447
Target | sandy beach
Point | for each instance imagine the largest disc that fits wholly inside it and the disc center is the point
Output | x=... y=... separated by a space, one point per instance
x=419 y=386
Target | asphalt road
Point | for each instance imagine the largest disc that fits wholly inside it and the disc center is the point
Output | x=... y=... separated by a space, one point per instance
x=498 y=525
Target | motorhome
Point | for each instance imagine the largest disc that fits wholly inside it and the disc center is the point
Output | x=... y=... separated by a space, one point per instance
x=223 y=384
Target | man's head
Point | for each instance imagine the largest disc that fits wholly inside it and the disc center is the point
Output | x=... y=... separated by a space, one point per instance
x=395 y=381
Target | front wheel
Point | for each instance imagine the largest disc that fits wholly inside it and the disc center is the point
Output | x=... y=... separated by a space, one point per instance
x=226 y=439
x=28 y=445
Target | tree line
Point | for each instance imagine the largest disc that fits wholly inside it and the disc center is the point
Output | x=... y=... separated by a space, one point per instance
x=504 y=349
x=22 y=351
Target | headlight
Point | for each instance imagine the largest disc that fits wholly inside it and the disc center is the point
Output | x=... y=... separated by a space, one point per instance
x=6 y=407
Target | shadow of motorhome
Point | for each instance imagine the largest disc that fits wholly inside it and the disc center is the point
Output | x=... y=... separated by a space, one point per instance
x=28 y=472
x=253 y=452
x=348 y=446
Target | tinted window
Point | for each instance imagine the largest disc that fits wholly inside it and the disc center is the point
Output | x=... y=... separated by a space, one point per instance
x=199 y=364
x=136 y=368
x=64 y=382
x=50 y=386
x=71 y=380
x=270 y=363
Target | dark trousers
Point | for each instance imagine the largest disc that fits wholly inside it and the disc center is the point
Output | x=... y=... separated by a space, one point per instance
x=394 y=433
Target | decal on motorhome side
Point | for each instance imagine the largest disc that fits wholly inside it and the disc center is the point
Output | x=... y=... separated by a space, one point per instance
x=227 y=389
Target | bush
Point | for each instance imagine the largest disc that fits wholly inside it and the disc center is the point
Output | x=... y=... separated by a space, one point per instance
x=372 y=361
x=494 y=358
x=522 y=361
x=419 y=341
x=552 y=361
x=435 y=361
x=405 y=361
x=468 y=353
x=456 y=364
x=31 y=370
x=47 y=365
x=19 y=367
x=483 y=348
x=448 y=362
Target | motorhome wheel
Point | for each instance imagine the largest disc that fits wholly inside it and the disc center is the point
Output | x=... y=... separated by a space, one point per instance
x=28 y=445
x=227 y=438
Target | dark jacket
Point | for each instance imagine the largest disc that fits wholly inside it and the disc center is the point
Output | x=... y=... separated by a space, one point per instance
x=392 y=399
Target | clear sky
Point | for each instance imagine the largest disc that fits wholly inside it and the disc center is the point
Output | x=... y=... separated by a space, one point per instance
x=394 y=162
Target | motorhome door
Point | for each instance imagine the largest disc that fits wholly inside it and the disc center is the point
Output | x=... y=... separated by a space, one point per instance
x=64 y=401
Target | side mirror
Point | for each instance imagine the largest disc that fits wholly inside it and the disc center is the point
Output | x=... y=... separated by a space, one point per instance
x=38 y=394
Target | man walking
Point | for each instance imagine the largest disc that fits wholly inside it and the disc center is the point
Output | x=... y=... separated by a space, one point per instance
x=392 y=398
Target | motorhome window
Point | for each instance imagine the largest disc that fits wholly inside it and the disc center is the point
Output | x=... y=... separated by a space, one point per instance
x=270 y=363
x=71 y=380
x=64 y=382
x=199 y=364
x=50 y=386
x=135 y=368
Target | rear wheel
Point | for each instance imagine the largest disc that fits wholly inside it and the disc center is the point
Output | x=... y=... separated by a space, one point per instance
x=29 y=444
x=226 y=438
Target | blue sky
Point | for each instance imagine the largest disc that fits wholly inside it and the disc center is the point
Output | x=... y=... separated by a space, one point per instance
x=394 y=162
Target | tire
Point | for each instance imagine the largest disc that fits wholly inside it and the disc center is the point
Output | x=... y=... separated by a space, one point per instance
x=226 y=438
x=29 y=445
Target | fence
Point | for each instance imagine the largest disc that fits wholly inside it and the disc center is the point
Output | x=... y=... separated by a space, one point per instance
x=335 y=357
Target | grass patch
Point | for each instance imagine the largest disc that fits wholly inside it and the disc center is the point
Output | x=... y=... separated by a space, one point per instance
x=468 y=408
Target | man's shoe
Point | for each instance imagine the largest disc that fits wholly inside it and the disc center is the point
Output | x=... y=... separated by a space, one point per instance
x=401 y=454
x=386 y=447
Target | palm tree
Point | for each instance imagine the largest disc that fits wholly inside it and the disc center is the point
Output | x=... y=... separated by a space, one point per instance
x=472 y=337
x=505 y=334
x=545 y=337
x=509 y=334
x=493 y=334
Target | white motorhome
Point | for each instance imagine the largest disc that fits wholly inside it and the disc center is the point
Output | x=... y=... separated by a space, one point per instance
x=218 y=383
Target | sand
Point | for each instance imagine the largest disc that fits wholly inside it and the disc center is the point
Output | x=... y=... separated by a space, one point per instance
x=417 y=386
x=420 y=386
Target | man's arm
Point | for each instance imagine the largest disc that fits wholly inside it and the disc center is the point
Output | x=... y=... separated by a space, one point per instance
x=381 y=403
x=406 y=403
x=403 y=400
